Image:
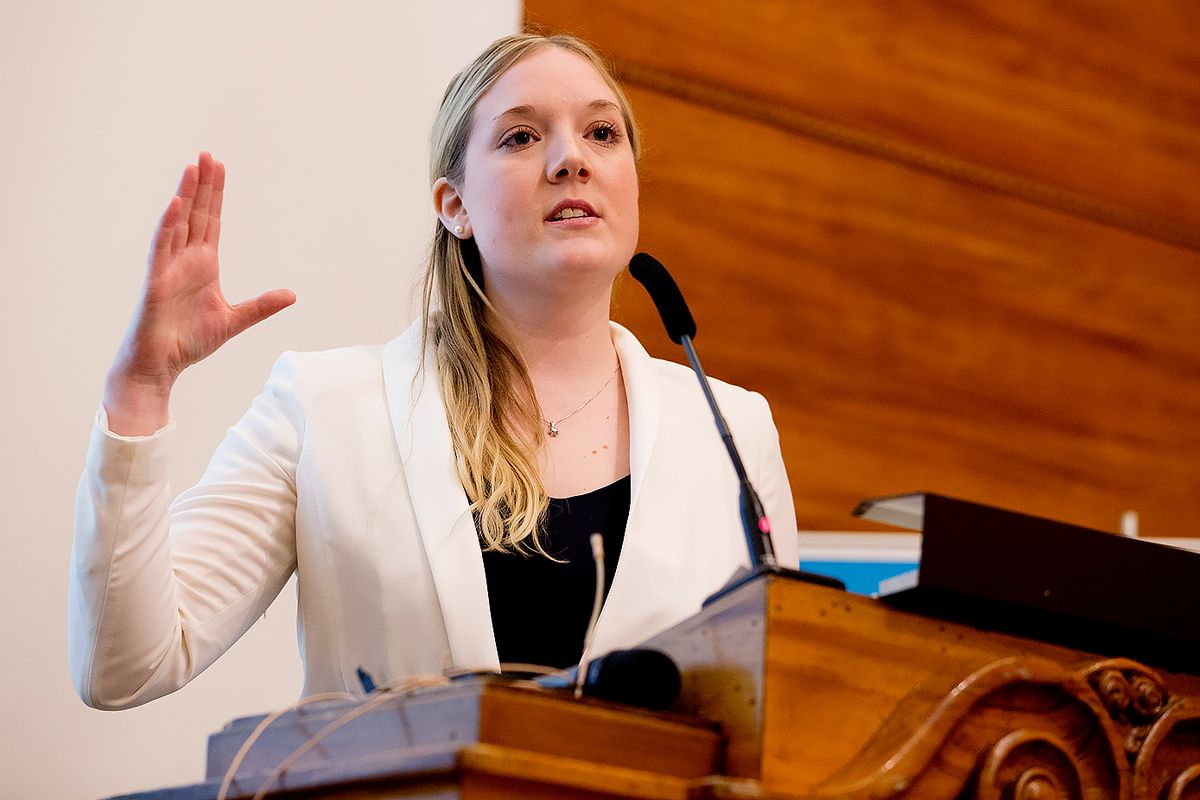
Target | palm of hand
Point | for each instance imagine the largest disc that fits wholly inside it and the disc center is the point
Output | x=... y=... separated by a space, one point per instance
x=188 y=315
x=183 y=316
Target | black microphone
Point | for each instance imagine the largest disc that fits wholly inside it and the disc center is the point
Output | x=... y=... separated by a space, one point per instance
x=666 y=296
x=681 y=327
x=636 y=677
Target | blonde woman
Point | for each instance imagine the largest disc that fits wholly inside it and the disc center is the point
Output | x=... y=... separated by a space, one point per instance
x=434 y=494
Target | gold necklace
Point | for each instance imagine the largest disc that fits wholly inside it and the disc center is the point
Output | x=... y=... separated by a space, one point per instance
x=552 y=426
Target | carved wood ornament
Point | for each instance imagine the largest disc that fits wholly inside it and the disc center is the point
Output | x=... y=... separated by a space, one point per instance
x=1027 y=728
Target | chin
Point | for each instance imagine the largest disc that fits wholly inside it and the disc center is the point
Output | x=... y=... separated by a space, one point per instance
x=585 y=260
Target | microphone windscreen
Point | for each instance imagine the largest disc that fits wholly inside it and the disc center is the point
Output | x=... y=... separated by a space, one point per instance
x=667 y=298
x=638 y=677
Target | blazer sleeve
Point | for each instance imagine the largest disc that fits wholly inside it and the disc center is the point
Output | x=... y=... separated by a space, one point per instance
x=159 y=589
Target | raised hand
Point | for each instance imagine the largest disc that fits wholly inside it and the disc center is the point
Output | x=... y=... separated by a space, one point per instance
x=183 y=316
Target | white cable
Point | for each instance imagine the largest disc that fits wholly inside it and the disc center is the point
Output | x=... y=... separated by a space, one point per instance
x=231 y=772
x=384 y=693
x=380 y=697
x=597 y=602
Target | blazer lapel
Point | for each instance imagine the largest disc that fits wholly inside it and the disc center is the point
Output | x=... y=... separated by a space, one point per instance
x=644 y=398
x=645 y=547
x=443 y=515
x=439 y=501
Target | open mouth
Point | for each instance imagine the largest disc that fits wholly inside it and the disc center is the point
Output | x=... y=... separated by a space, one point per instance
x=571 y=209
x=570 y=213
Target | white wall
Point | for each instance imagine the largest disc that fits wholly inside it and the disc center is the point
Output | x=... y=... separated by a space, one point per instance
x=321 y=113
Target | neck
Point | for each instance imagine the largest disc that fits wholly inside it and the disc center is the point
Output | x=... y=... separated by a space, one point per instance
x=564 y=337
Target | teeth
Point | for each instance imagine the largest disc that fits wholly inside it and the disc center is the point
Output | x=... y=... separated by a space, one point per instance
x=570 y=213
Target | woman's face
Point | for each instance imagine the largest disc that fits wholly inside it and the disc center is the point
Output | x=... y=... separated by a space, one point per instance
x=550 y=188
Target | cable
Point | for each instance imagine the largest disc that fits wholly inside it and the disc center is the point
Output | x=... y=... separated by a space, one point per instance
x=597 y=603
x=382 y=696
x=254 y=736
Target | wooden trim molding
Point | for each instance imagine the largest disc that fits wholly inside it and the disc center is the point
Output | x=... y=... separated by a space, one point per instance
x=924 y=159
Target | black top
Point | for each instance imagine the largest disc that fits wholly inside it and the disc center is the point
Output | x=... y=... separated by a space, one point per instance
x=540 y=608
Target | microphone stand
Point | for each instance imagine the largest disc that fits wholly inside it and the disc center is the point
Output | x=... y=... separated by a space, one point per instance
x=755 y=525
x=681 y=328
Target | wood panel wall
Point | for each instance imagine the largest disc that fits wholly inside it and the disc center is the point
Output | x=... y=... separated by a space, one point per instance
x=955 y=244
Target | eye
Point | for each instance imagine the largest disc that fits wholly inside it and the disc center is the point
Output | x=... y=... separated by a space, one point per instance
x=517 y=138
x=605 y=133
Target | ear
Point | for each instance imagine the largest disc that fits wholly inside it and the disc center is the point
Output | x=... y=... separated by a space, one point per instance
x=448 y=205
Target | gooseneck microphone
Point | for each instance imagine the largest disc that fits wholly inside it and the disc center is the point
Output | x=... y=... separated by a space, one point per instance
x=681 y=327
x=637 y=677
x=677 y=319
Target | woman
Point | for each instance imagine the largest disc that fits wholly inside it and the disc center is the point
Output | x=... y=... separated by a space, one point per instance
x=409 y=485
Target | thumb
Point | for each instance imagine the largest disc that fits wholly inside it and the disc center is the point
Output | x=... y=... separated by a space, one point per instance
x=254 y=311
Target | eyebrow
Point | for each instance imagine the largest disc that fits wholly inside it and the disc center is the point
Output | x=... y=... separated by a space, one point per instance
x=528 y=110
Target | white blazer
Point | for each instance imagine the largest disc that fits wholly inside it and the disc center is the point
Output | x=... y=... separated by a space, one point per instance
x=343 y=470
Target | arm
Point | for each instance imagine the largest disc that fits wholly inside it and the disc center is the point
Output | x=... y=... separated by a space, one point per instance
x=142 y=603
x=160 y=589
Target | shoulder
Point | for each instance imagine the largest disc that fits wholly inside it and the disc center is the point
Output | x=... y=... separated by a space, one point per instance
x=746 y=412
x=680 y=387
x=344 y=369
x=340 y=362
x=674 y=377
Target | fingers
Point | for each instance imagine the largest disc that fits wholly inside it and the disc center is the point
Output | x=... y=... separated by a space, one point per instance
x=198 y=213
x=255 y=311
x=186 y=193
x=197 y=216
x=160 y=247
x=212 y=234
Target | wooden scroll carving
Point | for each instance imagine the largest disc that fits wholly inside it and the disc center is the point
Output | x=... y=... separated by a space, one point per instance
x=1027 y=728
x=1167 y=764
x=1027 y=765
x=1134 y=697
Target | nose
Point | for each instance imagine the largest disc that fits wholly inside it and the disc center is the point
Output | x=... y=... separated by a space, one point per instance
x=568 y=160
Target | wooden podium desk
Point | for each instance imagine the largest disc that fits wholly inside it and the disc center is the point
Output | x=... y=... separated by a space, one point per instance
x=818 y=693
x=825 y=694
x=483 y=737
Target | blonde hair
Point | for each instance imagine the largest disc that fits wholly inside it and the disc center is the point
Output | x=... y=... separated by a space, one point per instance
x=495 y=422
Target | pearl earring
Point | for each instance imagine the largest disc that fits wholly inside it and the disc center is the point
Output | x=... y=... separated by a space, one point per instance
x=459 y=230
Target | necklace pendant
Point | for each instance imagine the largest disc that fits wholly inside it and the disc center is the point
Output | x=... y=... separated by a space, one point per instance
x=553 y=429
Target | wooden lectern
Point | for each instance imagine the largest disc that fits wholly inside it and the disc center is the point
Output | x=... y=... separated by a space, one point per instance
x=825 y=694
x=816 y=693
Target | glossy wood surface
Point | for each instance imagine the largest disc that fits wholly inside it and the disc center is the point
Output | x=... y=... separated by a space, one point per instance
x=825 y=694
x=912 y=328
x=603 y=735
x=911 y=332
x=1102 y=99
